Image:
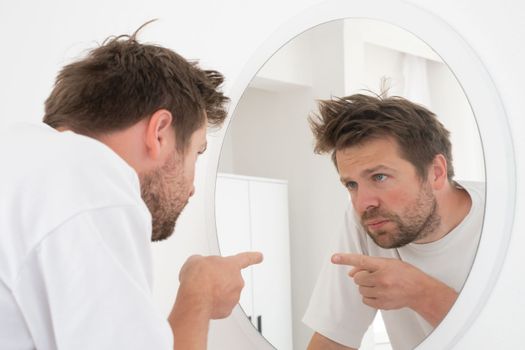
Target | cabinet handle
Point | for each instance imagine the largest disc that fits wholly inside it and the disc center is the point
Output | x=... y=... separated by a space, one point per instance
x=259 y=323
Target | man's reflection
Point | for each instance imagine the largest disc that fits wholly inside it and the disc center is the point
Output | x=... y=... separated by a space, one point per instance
x=410 y=238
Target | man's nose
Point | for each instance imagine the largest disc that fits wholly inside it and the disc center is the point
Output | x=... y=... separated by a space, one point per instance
x=364 y=200
x=192 y=192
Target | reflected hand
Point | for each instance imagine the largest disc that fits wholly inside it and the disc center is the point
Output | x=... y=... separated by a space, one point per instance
x=214 y=283
x=391 y=284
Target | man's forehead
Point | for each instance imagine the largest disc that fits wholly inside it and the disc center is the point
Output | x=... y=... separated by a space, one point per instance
x=376 y=147
x=370 y=156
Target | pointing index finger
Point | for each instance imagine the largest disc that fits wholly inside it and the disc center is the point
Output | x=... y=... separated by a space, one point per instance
x=359 y=261
x=246 y=259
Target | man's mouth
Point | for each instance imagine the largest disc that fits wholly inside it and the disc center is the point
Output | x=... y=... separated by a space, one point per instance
x=376 y=224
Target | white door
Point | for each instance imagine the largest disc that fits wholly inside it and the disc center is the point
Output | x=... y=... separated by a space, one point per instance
x=252 y=214
x=272 y=305
x=232 y=212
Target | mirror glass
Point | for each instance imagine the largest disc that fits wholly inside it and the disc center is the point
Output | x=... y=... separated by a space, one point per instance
x=275 y=195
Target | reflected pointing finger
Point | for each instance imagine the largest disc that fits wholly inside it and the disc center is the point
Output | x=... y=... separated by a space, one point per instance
x=347 y=259
x=364 y=262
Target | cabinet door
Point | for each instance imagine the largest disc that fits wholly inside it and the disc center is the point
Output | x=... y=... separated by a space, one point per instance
x=271 y=280
x=232 y=214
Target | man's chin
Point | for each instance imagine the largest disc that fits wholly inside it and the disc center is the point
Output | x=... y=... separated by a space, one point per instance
x=383 y=243
x=164 y=232
x=162 y=236
x=385 y=240
x=163 y=229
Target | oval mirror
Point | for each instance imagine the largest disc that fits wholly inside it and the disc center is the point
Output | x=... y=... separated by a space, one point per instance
x=274 y=195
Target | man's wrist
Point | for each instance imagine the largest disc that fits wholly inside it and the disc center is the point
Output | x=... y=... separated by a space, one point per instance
x=434 y=301
x=188 y=302
x=189 y=320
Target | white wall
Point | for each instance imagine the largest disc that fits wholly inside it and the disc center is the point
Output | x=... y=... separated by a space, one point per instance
x=38 y=37
x=289 y=65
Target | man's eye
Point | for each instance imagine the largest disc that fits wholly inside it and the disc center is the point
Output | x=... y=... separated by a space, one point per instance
x=351 y=185
x=380 y=177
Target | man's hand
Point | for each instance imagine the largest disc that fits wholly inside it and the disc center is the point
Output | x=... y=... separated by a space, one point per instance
x=215 y=282
x=390 y=284
x=210 y=287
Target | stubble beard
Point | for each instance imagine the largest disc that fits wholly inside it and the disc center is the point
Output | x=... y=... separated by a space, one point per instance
x=420 y=219
x=165 y=195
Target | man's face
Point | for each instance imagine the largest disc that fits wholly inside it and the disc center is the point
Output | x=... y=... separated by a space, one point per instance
x=395 y=205
x=167 y=189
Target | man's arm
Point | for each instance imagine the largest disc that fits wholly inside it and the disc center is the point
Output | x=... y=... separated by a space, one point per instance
x=189 y=321
x=391 y=284
x=320 y=342
x=434 y=301
x=209 y=289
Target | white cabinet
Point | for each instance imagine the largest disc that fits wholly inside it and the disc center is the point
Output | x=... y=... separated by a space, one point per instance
x=252 y=214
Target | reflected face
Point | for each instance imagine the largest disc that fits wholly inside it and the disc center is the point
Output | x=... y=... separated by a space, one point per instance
x=395 y=205
x=167 y=190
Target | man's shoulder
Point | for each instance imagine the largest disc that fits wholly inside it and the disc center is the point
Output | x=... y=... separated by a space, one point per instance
x=472 y=186
x=54 y=175
x=39 y=154
x=475 y=189
x=53 y=178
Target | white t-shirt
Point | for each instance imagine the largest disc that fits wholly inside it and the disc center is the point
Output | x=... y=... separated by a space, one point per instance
x=75 y=259
x=336 y=309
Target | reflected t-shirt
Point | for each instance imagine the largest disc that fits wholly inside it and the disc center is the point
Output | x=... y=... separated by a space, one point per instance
x=336 y=309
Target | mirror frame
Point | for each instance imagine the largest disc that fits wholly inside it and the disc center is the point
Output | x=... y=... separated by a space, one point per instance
x=481 y=92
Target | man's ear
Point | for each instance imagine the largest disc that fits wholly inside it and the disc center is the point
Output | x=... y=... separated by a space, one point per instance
x=159 y=134
x=438 y=172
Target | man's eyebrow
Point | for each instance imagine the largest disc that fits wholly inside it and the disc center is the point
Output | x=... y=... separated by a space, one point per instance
x=344 y=180
x=369 y=171
x=375 y=169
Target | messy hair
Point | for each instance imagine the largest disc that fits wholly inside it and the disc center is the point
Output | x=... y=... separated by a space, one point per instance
x=353 y=120
x=124 y=81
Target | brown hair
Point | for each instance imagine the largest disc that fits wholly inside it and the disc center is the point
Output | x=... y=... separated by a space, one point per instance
x=123 y=81
x=353 y=120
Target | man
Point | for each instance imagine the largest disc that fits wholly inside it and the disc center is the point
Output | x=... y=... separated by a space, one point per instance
x=81 y=198
x=411 y=236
